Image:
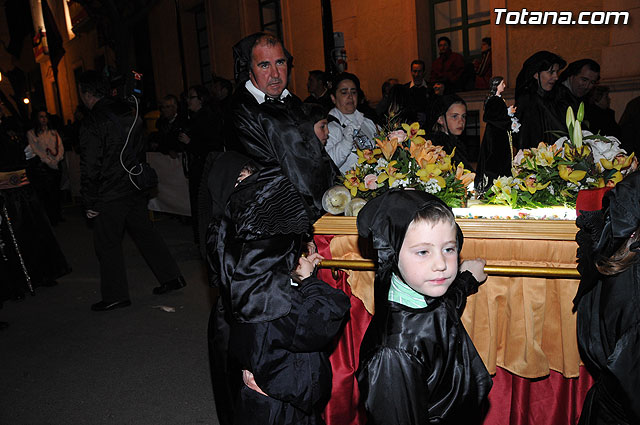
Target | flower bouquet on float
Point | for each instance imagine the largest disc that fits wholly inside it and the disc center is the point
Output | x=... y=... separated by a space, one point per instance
x=402 y=158
x=554 y=175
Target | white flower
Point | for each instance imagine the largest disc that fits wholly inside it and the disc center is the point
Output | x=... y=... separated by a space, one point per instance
x=572 y=186
x=354 y=206
x=381 y=165
x=551 y=189
x=400 y=183
x=517 y=160
x=432 y=186
x=335 y=199
x=515 y=125
x=602 y=149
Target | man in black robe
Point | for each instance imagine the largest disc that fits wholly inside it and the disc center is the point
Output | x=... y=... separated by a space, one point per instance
x=269 y=122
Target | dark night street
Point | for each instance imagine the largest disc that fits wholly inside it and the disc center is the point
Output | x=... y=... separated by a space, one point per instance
x=61 y=363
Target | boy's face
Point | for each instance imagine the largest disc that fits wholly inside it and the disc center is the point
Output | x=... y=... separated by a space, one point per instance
x=428 y=258
x=321 y=128
x=244 y=173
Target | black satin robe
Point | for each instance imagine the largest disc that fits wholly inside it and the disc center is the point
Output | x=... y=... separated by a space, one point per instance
x=541 y=115
x=450 y=142
x=37 y=244
x=289 y=357
x=419 y=366
x=272 y=134
x=608 y=317
x=280 y=332
x=495 y=154
x=608 y=327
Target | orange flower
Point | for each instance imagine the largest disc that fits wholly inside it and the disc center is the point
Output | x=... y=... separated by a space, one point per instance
x=465 y=176
x=388 y=147
x=422 y=150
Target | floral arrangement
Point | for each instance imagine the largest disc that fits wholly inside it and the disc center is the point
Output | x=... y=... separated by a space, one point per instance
x=552 y=175
x=402 y=158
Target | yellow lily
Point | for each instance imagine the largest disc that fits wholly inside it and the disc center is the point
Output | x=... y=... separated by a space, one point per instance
x=413 y=130
x=619 y=162
x=431 y=171
x=615 y=179
x=444 y=163
x=368 y=156
x=353 y=183
x=391 y=173
x=531 y=185
x=575 y=153
x=569 y=174
x=388 y=147
x=465 y=176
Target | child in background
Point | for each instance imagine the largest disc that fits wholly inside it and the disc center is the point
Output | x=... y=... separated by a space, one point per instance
x=282 y=324
x=317 y=118
x=418 y=364
x=608 y=318
x=223 y=172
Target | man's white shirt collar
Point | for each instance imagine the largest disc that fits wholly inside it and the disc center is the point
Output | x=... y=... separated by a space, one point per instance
x=423 y=84
x=259 y=95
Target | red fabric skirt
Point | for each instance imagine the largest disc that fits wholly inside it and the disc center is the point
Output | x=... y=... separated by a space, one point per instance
x=552 y=400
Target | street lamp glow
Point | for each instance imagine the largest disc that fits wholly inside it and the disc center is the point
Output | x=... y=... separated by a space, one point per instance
x=26 y=100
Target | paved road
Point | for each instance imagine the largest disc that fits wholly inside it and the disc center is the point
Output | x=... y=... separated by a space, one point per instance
x=61 y=363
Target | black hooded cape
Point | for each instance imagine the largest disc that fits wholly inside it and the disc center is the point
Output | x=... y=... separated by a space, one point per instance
x=417 y=366
x=540 y=112
x=608 y=317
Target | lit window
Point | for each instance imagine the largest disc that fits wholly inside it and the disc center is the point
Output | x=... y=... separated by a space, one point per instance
x=465 y=22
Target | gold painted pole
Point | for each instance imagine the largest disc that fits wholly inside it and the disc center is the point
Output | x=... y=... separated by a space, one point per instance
x=545 y=272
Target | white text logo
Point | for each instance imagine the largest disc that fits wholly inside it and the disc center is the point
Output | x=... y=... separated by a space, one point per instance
x=525 y=17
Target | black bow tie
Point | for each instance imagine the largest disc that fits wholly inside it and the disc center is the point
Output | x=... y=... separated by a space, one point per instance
x=271 y=99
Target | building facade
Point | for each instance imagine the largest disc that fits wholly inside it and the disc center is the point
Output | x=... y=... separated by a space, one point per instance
x=381 y=38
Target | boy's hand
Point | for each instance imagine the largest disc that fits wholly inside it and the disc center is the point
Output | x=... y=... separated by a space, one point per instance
x=250 y=381
x=476 y=267
x=306 y=265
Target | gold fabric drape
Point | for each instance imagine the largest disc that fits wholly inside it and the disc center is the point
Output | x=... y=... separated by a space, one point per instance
x=522 y=324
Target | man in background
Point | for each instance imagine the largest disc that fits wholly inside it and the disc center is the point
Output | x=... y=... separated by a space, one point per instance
x=448 y=67
x=317 y=87
x=111 y=144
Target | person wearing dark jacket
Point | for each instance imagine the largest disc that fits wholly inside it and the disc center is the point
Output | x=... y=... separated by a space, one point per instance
x=539 y=109
x=204 y=134
x=267 y=120
x=109 y=161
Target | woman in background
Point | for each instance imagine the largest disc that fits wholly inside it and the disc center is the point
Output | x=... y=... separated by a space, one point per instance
x=540 y=112
x=449 y=120
x=349 y=129
x=44 y=154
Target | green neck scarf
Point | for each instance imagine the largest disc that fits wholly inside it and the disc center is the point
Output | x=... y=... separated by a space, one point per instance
x=402 y=293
